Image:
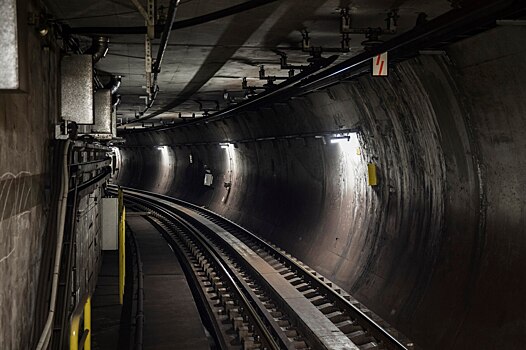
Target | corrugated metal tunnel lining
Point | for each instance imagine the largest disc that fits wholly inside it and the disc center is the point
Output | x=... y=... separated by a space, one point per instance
x=437 y=242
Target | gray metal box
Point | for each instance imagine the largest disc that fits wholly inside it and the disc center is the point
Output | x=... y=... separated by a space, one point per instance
x=11 y=60
x=103 y=117
x=77 y=89
x=110 y=223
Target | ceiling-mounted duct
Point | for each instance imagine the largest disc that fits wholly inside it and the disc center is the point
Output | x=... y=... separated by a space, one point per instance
x=99 y=48
x=114 y=84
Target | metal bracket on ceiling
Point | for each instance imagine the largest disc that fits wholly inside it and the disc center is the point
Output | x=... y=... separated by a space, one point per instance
x=371 y=34
x=250 y=90
x=270 y=78
x=185 y=117
x=346 y=23
x=64 y=129
x=148 y=64
x=150 y=35
x=145 y=98
x=142 y=11
x=316 y=51
x=206 y=110
x=167 y=121
x=285 y=65
x=150 y=20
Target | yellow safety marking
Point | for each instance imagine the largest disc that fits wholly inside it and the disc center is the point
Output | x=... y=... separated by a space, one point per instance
x=84 y=308
x=87 y=323
x=122 y=255
x=371 y=174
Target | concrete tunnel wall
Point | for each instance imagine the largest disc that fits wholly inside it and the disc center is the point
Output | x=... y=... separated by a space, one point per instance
x=438 y=247
x=26 y=119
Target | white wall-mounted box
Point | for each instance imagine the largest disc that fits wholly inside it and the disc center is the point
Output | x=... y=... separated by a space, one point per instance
x=110 y=223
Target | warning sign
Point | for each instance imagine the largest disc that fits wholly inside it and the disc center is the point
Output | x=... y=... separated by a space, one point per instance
x=380 y=65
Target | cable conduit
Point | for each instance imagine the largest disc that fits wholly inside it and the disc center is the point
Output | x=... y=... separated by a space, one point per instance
x=61 y=219
x=248 y=5
x=435 y=31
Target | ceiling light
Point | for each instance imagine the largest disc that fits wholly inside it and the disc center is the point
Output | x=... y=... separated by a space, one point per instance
x=340 y=139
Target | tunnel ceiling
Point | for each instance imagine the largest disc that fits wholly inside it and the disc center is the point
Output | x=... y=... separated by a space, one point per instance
x=203 y=62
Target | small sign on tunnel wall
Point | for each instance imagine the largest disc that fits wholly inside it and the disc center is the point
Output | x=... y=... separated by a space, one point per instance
x=209 y=178
x=372 y=178
x=380 y=65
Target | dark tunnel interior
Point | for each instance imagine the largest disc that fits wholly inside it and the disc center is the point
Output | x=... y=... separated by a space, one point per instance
x=443 y=231
x=390 y=207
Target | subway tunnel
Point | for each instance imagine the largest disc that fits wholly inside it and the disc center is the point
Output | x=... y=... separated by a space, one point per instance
x=405 y=190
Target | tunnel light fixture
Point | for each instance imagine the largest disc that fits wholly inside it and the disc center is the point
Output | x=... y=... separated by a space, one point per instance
x=160 y=148
x=226 y=145
x=322 y=138
x=340 y=139
x=348 y=147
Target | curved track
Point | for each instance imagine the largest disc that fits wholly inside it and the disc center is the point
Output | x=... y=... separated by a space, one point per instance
x=256 y=295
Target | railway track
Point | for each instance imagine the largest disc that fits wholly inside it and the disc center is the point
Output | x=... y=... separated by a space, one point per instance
x=256 y=295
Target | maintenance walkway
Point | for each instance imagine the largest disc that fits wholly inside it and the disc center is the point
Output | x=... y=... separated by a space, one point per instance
x=171 y=317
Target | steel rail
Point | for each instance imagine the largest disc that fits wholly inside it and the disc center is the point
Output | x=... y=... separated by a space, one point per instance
x=193 y=278
x=275 y=329
x=221 y=264
x=377 y=331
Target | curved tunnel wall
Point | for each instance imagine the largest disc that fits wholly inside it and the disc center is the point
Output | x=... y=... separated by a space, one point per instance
x=437 y=248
